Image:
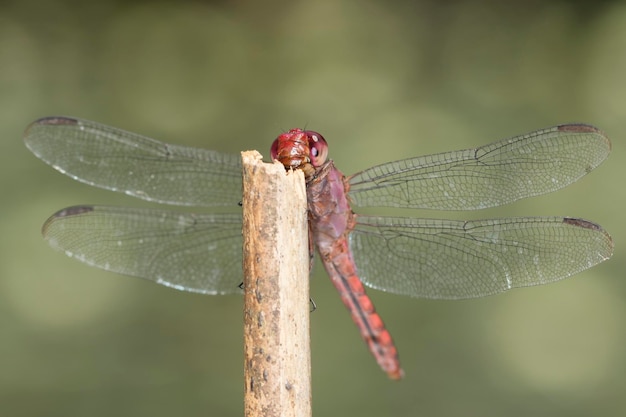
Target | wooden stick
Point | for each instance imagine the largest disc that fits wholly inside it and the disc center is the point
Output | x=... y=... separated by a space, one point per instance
x=277 y=363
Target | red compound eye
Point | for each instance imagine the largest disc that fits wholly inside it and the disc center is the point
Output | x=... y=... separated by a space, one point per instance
x=318 y=148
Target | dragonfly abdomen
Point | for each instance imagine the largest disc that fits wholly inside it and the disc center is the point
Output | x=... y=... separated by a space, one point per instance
x=344 y=277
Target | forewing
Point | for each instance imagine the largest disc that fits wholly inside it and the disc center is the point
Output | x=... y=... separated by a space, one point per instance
x=121 y=161
x=499 y=173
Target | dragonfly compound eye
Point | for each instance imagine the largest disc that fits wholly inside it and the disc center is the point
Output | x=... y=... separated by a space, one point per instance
x=318 y=148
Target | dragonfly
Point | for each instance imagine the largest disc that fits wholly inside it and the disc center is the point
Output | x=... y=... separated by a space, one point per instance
x=418 y=257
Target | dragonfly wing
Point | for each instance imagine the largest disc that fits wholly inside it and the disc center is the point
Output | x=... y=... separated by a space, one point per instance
x=449 y=259
x=192 y=252
x=499 y=173
x=121 y=161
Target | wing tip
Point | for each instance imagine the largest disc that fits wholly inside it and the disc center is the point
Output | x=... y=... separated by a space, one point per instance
x=47 y=121
x=585 y=128
x=66 y=212
x=586 y=224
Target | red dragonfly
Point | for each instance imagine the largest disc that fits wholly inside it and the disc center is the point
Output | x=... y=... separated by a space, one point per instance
x=432 y=258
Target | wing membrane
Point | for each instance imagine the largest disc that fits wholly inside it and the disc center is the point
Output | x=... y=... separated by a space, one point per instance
x=449 y=259
x=192 y=252
x=121 y=161
x=499 y=173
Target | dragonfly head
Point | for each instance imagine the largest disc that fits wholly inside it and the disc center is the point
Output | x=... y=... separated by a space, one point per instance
x=300 y=149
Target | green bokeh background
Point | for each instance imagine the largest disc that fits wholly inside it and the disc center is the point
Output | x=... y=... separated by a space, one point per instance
x=382 y=81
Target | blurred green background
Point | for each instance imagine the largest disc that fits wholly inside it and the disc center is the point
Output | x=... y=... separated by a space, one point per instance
x=382 y=80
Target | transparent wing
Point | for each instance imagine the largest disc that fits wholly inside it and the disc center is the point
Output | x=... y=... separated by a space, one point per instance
x=449 y=259
x=117 y=160
x=193 y=252
x=499 y=173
